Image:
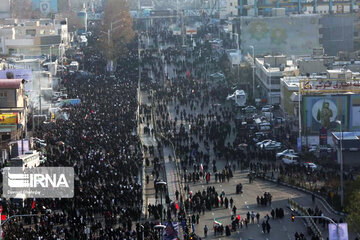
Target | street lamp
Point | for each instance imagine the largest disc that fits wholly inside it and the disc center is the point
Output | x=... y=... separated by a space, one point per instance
x=341 y=165
x=160 y=184
x=299 y=113
x=253 y=69
x=51 y=46
x=160 y=227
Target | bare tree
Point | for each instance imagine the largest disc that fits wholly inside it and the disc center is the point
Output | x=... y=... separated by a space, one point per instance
x=116 y=12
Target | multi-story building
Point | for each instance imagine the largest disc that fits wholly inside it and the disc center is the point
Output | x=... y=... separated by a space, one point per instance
x=33 y=37
x=13 y=107
x=269 y=70
x=4 y=8
x=324 y=100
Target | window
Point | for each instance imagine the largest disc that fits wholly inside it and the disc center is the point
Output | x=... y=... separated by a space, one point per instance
x=31 y=32
x=51 y=31
x=42 y=32
x=3 y=94
x=5 y=137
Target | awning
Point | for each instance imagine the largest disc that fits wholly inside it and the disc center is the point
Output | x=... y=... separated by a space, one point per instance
x=6 y=130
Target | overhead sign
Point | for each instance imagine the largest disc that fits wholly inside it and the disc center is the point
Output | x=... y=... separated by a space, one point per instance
x=8 y=118
x=176 y=31
x=191 y=31
x=309 y=86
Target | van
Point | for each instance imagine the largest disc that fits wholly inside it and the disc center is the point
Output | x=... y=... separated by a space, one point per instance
x=290 y=159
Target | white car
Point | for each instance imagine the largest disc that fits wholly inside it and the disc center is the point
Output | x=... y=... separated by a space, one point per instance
x=311 y=165
x=259 y=144
x=290 y=159
x=265 y=109
x=279 y=155
x=272 y=145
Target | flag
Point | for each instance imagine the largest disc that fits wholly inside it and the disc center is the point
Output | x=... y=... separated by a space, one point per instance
x=219 y=199
x=177 y=206
x=33 y=203
x=188 y=74
x=201 y=167
x=238 y=217
x=217 y=222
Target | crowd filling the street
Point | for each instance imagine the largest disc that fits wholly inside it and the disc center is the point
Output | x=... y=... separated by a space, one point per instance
x=160 y=151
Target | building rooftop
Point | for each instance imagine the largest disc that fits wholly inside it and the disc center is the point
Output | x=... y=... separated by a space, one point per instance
x=288 y=67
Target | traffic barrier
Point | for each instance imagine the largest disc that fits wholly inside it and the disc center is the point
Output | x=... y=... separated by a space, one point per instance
x=303 y=212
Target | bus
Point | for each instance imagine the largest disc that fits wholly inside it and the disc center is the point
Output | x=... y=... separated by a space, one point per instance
x=30 y=159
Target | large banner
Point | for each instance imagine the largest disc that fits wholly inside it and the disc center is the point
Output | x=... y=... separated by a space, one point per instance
x=289 y=35
x=354 y=112
x=18 y=74
x=323 y=111
x=8 y=118
x=338 y=232
x=329 y=86
x=45 y=6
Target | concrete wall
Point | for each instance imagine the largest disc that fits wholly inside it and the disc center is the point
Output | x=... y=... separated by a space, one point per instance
x=312 y=66
x=4 y=8
x=337 y=33
x=288 y=35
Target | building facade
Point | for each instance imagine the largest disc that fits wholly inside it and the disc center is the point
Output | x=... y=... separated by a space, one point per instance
x=13 y=108
x=33 y=37
x=269 y=70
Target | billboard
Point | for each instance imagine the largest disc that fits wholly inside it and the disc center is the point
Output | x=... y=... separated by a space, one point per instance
x=316 y=86
x=18 y=74
x=45 y=6
x=294 y=34
x=337 y=33
x=8 y=118
x=323 y=111
x=355 y=112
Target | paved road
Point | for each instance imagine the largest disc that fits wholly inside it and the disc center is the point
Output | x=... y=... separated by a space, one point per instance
x=281 y=228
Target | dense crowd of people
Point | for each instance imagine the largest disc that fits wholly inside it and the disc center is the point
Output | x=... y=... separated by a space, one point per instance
x=100 y=141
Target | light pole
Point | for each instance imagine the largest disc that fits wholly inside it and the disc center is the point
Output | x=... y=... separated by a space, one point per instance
x=142 y=232
x=51 y=46
x=253 y=69
x=160 y=227
x=299 y=113
x=161 y=185
x=322 y=217
x=341 y=166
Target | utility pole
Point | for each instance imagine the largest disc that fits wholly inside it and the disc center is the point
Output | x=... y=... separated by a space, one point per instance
x=341 y=165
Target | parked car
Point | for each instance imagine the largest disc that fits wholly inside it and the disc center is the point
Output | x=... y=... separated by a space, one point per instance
x=259 y=144
x=249 y=109
x=290 y=159
x=259 y=136
x=265 y=109
x=272 y=145
x=279 y=155
x=311 y=165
